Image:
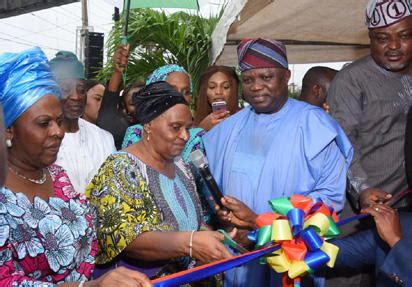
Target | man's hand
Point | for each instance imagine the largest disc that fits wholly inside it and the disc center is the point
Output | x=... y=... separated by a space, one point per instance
x=373 y=195
x=387 y=223
x=240 y=215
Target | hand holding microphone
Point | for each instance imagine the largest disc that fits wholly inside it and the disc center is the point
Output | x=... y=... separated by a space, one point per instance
x=240 y=215
x=199 y=160
x=229 y=209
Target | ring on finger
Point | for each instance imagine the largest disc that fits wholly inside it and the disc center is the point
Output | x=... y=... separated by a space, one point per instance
x=377 y=209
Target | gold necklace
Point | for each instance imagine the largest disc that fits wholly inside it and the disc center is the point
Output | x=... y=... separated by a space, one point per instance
x=40 y=181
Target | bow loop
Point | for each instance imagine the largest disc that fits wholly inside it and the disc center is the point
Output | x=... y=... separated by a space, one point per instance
x=299 y=225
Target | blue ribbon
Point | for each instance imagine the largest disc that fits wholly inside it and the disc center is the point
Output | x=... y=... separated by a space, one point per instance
x=312 y=259
x=253 y=235
x=311 y=239
x=296 y=216
x=208 y=270
x=350 y=219
x=316 y=259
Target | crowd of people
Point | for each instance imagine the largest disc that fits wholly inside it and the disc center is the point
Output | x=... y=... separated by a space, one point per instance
x=98 y=187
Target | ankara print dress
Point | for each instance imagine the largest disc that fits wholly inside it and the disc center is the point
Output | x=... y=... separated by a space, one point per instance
x=130 y=198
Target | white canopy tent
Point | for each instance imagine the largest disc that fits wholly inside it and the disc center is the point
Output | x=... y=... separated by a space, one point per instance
x=314 y=31
x=10 y=8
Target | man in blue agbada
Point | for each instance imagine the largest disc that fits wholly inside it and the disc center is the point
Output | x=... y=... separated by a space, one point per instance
x=274 y=148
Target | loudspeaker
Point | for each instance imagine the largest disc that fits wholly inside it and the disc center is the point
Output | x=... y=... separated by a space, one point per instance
x=93 y=54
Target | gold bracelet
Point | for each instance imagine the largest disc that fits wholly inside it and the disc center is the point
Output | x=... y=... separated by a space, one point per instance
x=191 y=243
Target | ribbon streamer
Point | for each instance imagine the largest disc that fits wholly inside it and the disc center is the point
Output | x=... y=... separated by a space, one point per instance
x=205 y=271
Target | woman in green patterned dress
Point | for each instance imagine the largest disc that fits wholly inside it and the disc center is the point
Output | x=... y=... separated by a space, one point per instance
x=149 y=213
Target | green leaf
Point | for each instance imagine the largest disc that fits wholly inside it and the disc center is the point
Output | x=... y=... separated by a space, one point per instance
x=158 y=39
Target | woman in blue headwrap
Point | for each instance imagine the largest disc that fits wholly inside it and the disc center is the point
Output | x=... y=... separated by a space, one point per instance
x=112 y=117
x=177 y=77
x=47 y=235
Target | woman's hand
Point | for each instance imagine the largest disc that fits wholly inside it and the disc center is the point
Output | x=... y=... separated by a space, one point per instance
x=120 y=277
x=120 y=58
x=387 y=223
x=373 y=195
x=207 y=246
x=239 y=215
x=213 y=119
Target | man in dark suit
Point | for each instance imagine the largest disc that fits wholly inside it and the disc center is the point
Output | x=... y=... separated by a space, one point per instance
x=388 y=247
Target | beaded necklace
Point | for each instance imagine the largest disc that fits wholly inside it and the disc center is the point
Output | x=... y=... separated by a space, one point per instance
x=39 y=181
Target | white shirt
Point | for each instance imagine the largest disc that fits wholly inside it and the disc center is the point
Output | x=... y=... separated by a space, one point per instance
x=81 y=153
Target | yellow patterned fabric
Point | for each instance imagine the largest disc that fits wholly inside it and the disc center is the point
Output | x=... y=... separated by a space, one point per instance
x=123 y=204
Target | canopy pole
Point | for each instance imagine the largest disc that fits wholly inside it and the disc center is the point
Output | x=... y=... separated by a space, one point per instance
x=124 y=38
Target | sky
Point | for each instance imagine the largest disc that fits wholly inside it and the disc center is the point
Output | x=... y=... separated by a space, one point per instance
x=55 y=29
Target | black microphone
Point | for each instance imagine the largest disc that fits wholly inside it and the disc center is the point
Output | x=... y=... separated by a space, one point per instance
x=200 y=162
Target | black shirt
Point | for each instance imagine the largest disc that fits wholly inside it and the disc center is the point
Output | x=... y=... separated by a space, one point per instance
x=111 y=118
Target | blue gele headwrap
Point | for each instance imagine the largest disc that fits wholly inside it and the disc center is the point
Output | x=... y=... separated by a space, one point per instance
x=25 y=78
x=160 y=74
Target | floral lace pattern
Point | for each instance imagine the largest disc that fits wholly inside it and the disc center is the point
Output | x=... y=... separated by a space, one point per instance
x=46 y=242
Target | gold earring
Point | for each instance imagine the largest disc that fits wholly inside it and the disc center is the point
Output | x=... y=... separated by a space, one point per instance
x=148 y=137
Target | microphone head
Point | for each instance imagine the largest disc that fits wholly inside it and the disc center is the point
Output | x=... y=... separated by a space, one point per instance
x=198 y=158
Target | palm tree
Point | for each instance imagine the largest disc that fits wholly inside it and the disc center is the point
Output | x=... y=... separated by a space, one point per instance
x=158 y=39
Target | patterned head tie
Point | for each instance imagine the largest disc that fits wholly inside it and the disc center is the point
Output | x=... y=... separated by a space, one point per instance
x=383 y=13
x=160 y=74
x=25 y=78
x=261 y=53
x=154 y=99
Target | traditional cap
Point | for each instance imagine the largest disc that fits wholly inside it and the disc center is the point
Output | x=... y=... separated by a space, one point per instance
x=160 y=74
x=383 y=13
x=25 y=78
x=154 y=99
x=261 y=53
x=66 y=66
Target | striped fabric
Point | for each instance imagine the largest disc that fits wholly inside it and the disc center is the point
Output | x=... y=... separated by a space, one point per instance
x=261 y=53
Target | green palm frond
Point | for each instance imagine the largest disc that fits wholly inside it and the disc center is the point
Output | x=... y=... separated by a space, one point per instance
x=158 y=39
